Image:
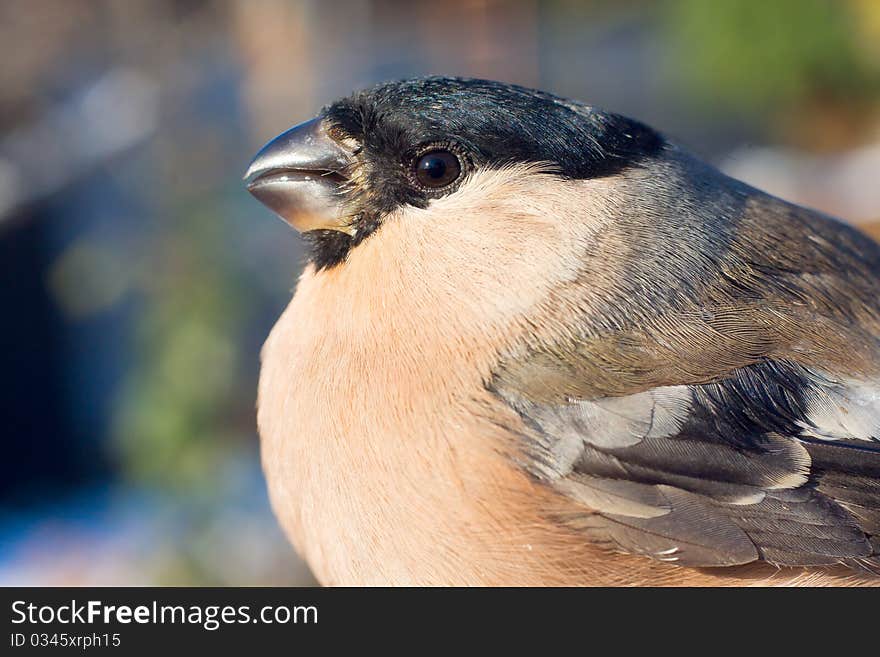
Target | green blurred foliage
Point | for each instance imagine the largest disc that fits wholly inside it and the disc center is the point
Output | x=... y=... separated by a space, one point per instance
x=759 y=57
x=180 y=415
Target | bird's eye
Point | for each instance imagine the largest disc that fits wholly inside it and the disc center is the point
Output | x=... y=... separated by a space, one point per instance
x=436 y=169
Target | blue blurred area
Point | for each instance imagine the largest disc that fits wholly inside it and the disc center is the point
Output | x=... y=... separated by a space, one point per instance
x=139 y=279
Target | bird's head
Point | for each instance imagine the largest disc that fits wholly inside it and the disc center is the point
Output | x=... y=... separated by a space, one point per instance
x=341 y=176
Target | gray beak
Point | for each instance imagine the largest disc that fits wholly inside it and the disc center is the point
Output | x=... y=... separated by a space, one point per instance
x=299 y=175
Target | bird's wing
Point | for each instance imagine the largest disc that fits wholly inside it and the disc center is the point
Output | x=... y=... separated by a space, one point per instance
x=714 y=429
x=773 y=462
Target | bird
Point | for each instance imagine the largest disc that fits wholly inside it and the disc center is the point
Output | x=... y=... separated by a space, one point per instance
x=537 y=343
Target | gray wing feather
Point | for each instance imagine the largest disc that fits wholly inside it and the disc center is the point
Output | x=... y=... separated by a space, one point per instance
x=757 y=466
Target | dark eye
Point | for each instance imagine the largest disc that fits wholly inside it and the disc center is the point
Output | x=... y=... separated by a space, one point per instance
x=436 y=169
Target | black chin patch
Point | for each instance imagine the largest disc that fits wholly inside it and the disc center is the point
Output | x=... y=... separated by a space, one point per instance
x=327 y=248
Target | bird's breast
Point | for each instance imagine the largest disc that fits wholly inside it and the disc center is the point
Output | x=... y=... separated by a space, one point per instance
x=386 y=457
x=383 y=460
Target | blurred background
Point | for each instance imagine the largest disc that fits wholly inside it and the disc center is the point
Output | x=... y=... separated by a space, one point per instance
x=139 y=279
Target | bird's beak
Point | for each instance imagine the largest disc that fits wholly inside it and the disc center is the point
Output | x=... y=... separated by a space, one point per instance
x=300 y=175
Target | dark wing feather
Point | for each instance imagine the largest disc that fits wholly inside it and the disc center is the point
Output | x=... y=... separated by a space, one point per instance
x=719 y=474
x=849 y=472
